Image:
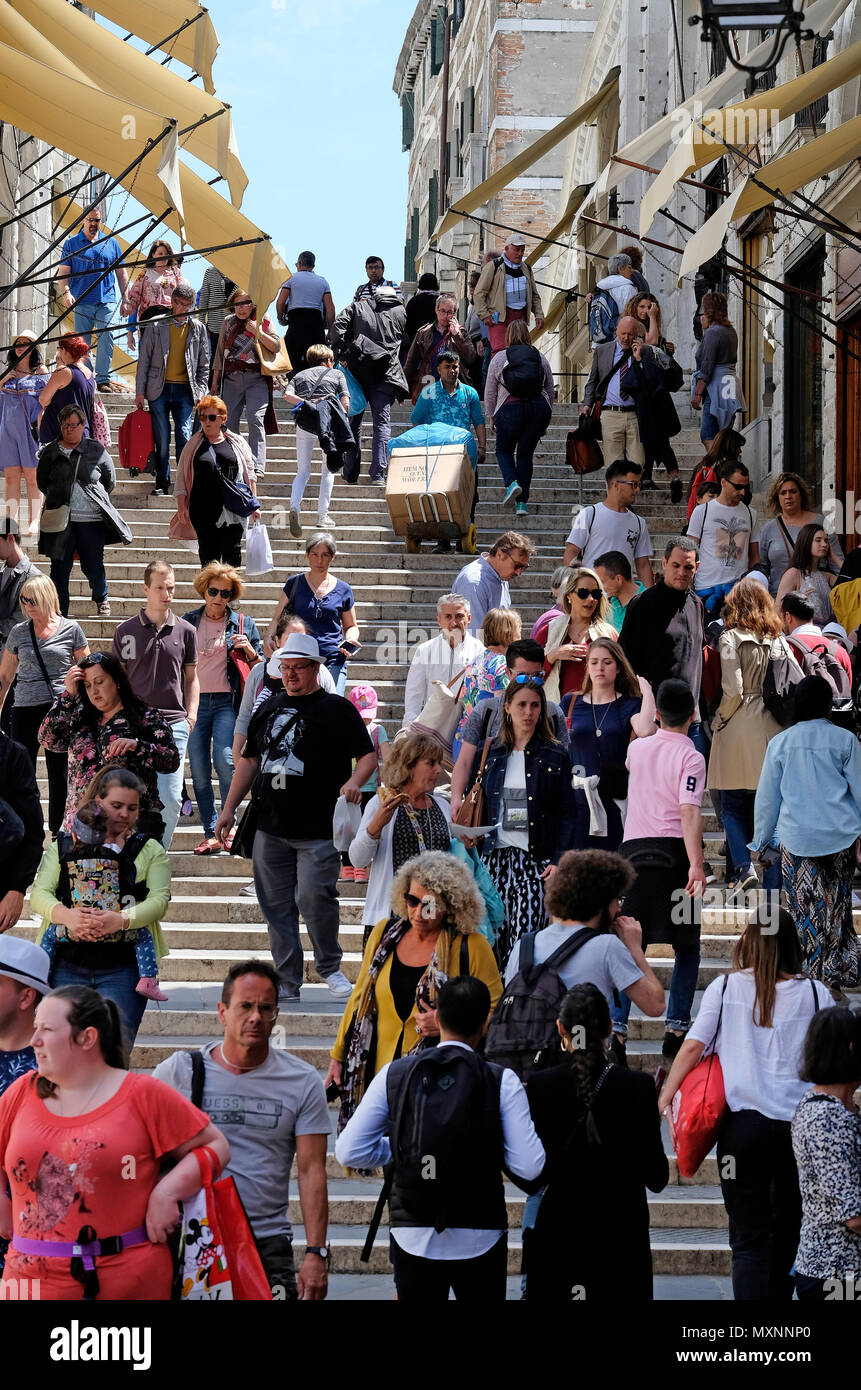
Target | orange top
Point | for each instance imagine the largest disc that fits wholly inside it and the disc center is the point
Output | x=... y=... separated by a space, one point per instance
x=98 y=1170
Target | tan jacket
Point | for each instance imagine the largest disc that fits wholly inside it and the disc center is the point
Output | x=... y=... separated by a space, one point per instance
x=489 y=294
x=743 y=727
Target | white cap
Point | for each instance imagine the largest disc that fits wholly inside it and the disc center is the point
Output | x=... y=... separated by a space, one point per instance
x=759 y=577
x=25 y=962
x=298 y=644
x=516 y=240
x=836 y=630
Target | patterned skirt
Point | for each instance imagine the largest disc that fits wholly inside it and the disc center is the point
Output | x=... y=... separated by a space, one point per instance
x=516 y=875
x=819 y=896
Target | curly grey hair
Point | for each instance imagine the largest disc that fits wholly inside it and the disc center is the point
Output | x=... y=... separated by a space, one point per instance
x=444 y=876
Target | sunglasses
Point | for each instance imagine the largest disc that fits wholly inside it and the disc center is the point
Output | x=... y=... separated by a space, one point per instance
x=584 y=594
x=739 y=487
x=219 y=593
x=523 y=679
x=412 y=901
x=28 y=602
x=210 y=418
x=242 y=304
x=95 y=659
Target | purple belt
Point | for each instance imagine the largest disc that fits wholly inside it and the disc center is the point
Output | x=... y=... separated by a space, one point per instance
x=87 y=1251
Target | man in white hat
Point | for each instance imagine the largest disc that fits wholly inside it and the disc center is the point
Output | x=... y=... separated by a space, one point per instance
x=302 y=742
x=24 y=971
x=506 y=291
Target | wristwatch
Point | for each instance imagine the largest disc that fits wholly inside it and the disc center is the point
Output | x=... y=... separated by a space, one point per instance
x=321 y=1250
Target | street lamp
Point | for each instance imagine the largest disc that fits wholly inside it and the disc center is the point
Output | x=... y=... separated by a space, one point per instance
x=781 y=16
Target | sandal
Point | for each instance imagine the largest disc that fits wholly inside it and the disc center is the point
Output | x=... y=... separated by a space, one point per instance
x=209 y=847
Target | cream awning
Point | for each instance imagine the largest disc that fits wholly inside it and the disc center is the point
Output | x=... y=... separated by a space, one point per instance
x=119 y=68
x=563 y=225
x=786 y=174
x=820 y=17
x=528 y=157
x=153 y=20
x=744 y=123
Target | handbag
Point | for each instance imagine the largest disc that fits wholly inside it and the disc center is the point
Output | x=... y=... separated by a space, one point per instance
x=273 y=361
x=238 y=497
x=473 y=808
x=239 y=659
x=441 y=713
x=699 y=1107
x=258 y=551
x=54 y=520
x=218 y=1258
x=582 y=451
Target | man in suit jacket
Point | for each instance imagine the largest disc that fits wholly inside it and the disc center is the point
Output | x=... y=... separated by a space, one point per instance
x=172 y=375
x=635 y=404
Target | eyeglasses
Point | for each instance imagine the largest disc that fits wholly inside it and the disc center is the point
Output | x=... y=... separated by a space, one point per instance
x=242 y=304
x=584 y=594
x=219 y=593
x=28 y=602
x=628 y=482
x=412 y=901
x=294 y=670
x=523 y=679
x=210 y=418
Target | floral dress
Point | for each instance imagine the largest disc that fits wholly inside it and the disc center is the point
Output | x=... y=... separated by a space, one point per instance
x=486 y=676
x=64 y=728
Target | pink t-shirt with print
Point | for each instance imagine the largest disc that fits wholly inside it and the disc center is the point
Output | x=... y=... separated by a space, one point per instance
x=667 y=773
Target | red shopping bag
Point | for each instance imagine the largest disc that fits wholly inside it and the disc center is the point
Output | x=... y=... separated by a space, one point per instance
x=218 y=1256
x=698 y=1108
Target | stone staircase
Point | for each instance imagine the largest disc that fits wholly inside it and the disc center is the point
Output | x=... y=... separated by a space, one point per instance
x=208 y=925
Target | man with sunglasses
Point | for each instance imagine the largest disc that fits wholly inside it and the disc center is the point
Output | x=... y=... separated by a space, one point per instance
x=726 y=531
x=613 y=525
x=484 y=581
x=86 y=285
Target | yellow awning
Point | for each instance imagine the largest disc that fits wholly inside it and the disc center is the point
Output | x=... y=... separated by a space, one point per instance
x=745 y=123
x=563 y=225
x=153 y=20
x=528 y=157
x=786 y=174
x=820 y=17
x=119 y=68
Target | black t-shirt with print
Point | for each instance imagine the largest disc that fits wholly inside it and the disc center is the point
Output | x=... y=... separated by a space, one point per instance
x=306 y=745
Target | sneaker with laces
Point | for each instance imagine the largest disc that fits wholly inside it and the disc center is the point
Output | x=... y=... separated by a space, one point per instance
x=338 y=985
x=521 y=509
x=248 y=890
x=295 y=523
x=103 y=609
x=512 y=492
x=325 y=523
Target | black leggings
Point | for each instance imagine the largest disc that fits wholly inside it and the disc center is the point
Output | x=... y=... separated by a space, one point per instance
x=24 y=728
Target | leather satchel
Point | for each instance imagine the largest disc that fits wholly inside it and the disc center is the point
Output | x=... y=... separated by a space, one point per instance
x=473 y=808
x=582 y=452
x=273 y=361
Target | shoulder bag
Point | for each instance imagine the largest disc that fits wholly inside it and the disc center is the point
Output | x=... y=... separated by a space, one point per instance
x=38 y=655
x=273 y=361
x=239 y=659
x=699 y=1106
x=474 y=805
x=441 y=713
x=54 y=520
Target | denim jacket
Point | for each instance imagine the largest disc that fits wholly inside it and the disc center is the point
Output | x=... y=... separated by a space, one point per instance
x=249 y=630
x=548 y=791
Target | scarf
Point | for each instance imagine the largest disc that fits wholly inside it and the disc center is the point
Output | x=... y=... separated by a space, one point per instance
x=363 y=1025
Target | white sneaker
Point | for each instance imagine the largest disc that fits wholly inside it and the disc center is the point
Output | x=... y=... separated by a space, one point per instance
x=339 y=985
x=325 y=522
x=248 y=890
x=295 y=523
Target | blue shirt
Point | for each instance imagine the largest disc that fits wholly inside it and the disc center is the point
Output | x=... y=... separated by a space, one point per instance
x=87 y=259
x=479 y=582
x=322 y=616
x=614 y=394
x=809 y=793
x=305 y=290
x=436 y=406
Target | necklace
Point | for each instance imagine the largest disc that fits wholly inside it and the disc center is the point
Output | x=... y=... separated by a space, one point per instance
x=235 y=1065
x=599 y=727
x=82 y=1108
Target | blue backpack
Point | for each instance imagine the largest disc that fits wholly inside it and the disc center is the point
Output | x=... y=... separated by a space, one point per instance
x=603 y=316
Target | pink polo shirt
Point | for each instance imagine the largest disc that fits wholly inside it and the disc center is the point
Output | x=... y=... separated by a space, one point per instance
x=667 y=773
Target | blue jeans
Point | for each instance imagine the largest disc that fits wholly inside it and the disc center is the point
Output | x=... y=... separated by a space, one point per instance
x=118 y=984
x=698 y=739
x=90 y=316
x=175 y=400
x=709 y=425
x=519 y=425
x=293 y=876
x=170 y=783
x=211 y=740
x=88 y=539
x=713 y=598
x=737 y=811
x=380 y=400
x=527 y=1222
x=337 y=668
x=683 y=985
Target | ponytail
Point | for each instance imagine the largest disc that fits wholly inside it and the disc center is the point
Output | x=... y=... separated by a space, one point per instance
x=88 y=1009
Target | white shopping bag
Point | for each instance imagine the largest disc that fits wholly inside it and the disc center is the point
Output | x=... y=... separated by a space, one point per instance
x=258 y=551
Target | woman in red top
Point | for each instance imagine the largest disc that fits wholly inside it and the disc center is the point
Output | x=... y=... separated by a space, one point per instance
x=81 y=1142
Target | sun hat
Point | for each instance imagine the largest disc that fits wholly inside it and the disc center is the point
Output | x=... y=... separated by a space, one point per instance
x=25 y=962
x=299 y=644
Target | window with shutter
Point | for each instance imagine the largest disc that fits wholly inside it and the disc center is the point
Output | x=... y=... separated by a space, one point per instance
x=433 y=203
x=469 y=111
x=408 y=121
x=815 y=114
x=437 y=40
x=457 y=17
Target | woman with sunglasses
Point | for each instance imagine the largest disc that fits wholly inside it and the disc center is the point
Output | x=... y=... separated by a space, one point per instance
x=566 y=640
x=228 y=645
x=19 y=414
x=432 y=934
x=613 y=707
x=236 y=372
x=212 y=454
x=98 y=719
x=530 y=802
x=39 y=651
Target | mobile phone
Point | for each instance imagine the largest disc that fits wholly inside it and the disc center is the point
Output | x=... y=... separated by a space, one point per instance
x=350 y=648
x=333 y=1091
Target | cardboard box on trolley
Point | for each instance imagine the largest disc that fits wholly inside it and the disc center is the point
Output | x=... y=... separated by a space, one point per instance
x=429 y=491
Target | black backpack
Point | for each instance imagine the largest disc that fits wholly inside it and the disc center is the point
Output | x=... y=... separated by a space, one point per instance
x=523 y=1033
x=523 y=373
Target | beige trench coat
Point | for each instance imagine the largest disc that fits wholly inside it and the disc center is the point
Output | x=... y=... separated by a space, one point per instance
x=743 y=727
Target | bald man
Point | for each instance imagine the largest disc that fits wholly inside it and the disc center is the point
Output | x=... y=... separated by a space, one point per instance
x=613 y=382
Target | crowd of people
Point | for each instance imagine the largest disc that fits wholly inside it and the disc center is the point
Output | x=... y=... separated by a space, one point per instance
x=522 y=847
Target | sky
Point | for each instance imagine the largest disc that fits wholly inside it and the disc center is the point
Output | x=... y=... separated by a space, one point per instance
x=318 y=128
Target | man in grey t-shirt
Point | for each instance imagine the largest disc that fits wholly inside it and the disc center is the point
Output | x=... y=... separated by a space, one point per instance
x=585 y=891
x=271 y=1106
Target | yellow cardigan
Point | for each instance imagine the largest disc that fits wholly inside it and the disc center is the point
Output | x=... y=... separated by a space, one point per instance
x=390 y=1028
x=152 y=867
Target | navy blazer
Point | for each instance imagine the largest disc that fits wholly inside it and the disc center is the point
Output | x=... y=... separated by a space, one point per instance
x=550 y=797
